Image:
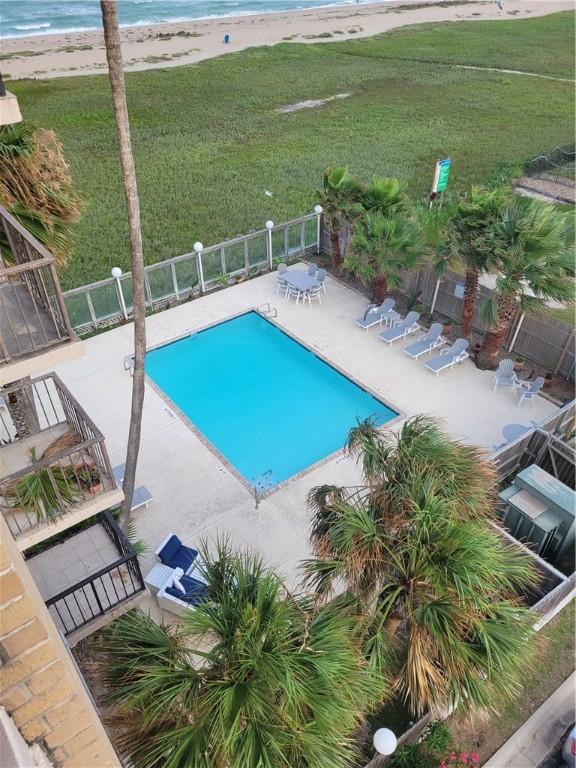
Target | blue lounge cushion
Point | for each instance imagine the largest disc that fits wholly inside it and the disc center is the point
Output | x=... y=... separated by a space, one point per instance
x=195 y=592
x=169 y=549
x=183 y=558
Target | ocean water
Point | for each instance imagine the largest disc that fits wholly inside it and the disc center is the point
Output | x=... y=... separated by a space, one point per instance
x=266 y=403
x=20 y=18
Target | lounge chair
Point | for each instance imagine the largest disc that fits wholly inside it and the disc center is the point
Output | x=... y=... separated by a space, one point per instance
x=406 y=327
x=505 y=375
x=173 y=553
x=141 y=496
x=174 y=600
x=449 y=357
x=527 y=390
x=432 y=340
x=376 y=315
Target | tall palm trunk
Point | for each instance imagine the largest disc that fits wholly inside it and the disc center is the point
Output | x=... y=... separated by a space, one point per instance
x=496 y=335
x=116 y=74
x=379 y=289
x=336 y=254
x=470 y=290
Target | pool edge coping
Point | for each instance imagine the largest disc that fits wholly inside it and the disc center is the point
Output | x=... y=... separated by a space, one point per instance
x=251 y=488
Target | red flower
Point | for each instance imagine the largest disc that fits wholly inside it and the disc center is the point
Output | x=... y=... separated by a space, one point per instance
x=474 y=757
x=464 y=757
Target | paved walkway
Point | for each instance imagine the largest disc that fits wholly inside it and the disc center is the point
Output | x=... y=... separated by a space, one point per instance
x=534 y=741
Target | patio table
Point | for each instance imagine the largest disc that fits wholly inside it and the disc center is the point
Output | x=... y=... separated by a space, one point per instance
x=299 y=279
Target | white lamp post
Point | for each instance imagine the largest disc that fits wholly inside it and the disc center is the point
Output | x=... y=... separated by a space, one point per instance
x=198 y=247
x=269 y=227
x=117 y=274
x=318 y=211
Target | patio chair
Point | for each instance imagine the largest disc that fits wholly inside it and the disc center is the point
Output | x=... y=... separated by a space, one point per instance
x=173 y=599
x=505 y=375
x=457 y=353
x=432 y=340
x=294 y=293
x=281 y=284
x=406 y=327
x=312 y=295
x=375 y=315
x=321 y=277
x=141 y=496
x=527 y=390
x=312 y=269
x=175 y=554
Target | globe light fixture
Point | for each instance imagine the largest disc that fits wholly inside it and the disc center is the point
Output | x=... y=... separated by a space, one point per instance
x=116 y=272
x=269 y=224
x=318 y=209
x=198 y=247
x=385 y=742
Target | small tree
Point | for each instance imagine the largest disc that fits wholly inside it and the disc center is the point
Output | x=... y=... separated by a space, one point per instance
x=252 y=677
x=474 y=215
x=533 y=245
x=382 y=247
x=439 y=587
x=340 y=200
x=36 y=187
x=386 y=195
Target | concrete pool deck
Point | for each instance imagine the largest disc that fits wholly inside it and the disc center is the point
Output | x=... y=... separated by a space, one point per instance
x=195 y=494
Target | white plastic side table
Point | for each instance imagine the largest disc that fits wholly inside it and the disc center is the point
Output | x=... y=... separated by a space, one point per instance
x=158 y=577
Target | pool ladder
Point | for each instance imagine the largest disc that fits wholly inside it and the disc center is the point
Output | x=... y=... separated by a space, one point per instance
x=267 y=311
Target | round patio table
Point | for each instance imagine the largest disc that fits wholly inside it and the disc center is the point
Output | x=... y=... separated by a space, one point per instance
x=299 y=279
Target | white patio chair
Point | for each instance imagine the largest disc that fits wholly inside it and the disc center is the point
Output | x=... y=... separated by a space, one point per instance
x=312 y=295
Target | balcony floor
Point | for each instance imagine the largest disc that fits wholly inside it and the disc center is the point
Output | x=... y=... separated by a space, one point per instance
x=16 y=456
x=25 y=326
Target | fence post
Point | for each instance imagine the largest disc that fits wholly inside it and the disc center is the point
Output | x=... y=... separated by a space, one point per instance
x=269 y=227
x=117 y=274
x=318 y=211
x=517 y=331
x=436 y=289
x=198 y=248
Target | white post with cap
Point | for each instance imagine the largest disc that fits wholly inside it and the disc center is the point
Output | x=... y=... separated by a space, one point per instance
x=116 y=273
x=198 y=248
x=269 y=227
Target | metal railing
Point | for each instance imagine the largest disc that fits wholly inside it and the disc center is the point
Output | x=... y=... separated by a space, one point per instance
x=33 y=315
x=104 y=590
x=108 y=302
x=74 y=467
x=558 y=166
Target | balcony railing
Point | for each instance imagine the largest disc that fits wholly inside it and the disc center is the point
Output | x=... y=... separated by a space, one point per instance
x=33 y=315
x=53 y=456
x=104 y=590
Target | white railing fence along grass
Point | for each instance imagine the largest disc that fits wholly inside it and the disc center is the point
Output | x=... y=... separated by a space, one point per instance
x=108 y=302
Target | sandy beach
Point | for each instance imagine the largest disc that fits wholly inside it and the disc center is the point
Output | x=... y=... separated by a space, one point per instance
x=169 y=45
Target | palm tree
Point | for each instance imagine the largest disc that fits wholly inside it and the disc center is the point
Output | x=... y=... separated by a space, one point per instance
x=36 y=187
x=254 y=677
x=533 y=245
x=435 y=224
x=340 y=201
x=116 y=74
x=438 y=585
x=386 y=195
x=383 y=246
x=474 y=215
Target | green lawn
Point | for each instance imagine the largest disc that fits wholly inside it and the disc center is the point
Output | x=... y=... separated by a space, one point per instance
x=208 y=140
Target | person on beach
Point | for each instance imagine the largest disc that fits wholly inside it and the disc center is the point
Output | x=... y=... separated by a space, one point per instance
x=500 y=4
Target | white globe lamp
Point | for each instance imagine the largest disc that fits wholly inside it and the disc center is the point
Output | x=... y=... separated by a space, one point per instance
x=318 y=209
x=385 y=742
x=198 y=247
x=116 y=272
x=269 y=224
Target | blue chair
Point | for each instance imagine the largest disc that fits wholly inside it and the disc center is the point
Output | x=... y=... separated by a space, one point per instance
x=432 y=340
x=405 y=328
x=321 y=277
x=457 y=353
x=312 y=269
x=195 y=593
x=175 y=554
x=527 y=390
x=505 y=375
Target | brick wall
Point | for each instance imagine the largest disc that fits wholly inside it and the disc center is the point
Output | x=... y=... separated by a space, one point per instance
x=39 y=684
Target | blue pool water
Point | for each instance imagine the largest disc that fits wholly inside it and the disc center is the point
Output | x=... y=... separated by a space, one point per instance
x=262 y=399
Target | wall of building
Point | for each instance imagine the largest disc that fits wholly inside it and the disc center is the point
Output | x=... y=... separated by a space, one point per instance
x=40 y=686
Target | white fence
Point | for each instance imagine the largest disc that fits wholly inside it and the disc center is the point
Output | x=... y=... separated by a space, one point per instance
x=108 y=302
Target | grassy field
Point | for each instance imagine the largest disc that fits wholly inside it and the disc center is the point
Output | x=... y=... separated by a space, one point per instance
x=208 y=139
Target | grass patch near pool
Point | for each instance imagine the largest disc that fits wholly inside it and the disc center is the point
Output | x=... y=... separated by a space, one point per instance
x=208 y=140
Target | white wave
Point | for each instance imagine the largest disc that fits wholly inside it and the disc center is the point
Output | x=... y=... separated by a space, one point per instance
x=26 y=27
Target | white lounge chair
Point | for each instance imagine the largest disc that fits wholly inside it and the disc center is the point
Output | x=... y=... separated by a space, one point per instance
x=404 y=328
x=376 y=315
x=504 y=375
x=457 y=353
x=527 y=390
x=432 y=340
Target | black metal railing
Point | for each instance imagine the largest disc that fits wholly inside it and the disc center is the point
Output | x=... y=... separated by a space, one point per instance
x=104 y=590
x=33 y=315
x=75 y=469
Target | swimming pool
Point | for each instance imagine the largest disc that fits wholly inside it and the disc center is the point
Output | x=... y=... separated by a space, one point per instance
x=267 y=403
